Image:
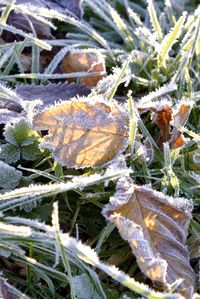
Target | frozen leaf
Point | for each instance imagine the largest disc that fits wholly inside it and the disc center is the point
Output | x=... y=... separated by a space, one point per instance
x=71 y=5
x=162 y=117
x=51 y=93
x=169 y=119
x=83 y=133
x=84 y=61
x=7 y=116
x=180 y=117
x=19 y=133
x=42 y=29
x=156 y=227
x=22 y=142
x=30 y=152
x=9 y=176
x=9 y=153
x=20 y=22
x=84 y=287
x=9 y=110
x=10 y=105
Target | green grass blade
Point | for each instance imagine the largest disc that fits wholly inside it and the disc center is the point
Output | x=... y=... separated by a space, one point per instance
x=169 y=40
x=154 y=20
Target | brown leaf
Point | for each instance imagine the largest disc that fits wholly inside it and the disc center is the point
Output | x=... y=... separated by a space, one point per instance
x=169 y=119
x=156 y=227
x=80 y=61
x=26 y=59
x=84 y=134
x=162 y=118
x=180 y=117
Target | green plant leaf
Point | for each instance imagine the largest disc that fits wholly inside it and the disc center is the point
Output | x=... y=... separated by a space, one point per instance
x=9 y=176
x=9 y=153
x=20 y=134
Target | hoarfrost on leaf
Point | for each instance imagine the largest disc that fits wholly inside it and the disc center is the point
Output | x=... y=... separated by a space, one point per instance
x=51 y=93
x=9 y=176
x=84 y=133
x=156 y=227
x=84 y=288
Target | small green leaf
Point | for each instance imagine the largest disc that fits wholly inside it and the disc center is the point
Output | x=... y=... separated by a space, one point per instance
x=9 y=176
x=9 y=153
x=20 y=133
x=30 y=152
x=84 y=289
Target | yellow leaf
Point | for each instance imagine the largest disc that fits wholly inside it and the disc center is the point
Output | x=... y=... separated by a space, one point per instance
x=84 y=134
x=80 y=61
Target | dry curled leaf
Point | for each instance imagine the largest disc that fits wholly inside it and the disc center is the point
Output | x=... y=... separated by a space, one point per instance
x=82 y=61
x=169 y=119
x=82 y=133
x=51 y=93
x=156 y=227
x=180 y=117
x=162 y=118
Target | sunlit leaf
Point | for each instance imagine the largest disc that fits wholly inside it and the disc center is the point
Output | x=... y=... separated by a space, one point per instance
x=82 y=133
x=82 y=61
x=156 y=227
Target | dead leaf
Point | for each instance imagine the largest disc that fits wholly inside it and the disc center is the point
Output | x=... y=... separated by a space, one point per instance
x=156 y=227
x=162 y=118
x=169 y=118
x=81 y=61
x=20 y=22
x=7 y=116
x=9 y=111
x=26 y=59
x=42 y=30
x=84 y=134
x=10 y=105
x=51 y=93
x=179 y=119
